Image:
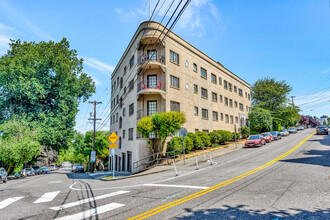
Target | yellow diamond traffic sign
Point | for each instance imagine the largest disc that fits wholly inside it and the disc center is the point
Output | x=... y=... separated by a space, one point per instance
x=113 y=137
x=113 y=145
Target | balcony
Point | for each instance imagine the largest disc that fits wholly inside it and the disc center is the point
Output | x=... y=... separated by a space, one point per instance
x=152 y=59
x=151 y=87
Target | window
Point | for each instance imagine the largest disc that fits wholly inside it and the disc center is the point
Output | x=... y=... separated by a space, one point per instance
x=241 y=107
x=204 y=93
x=195 y=88
x=226 y=101
x=221 y=99
x=246 y=108
x=151 y=81
x=249 y=96
x=114 y=85
x=231 y=119
x=221 y=116
x=175 y=106
x=213 y=78
x=120 y=122
x=230 y=102
x=124 y=133
x=130 y=134
x=196 y=130
x=205 y=113
x=205 y=131
x=203 y=73
x=118 y=80
x=225 y=84
x=245 y=94
x=125 y=69
x=249 y=109
x=125 y=89
x=124 y=111
x=152 y=55
x=215 y=116
x=196 y=110
x=214 y=97
x=175 y=82
x=236 y=120
x=151 y=107
x=131 y=109
x=131 y=85
x=235 y=104
x=220 y=81
x=235 y=88
x=174 y=57
x=131 y=62
x=111 y=120
x=117 y=117
x=229 y=87
x=240 y=92
x=195 y=67
x=227 y=118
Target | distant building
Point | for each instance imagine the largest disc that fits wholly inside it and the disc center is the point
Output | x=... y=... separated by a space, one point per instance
x=323 y=118
x=171 y=76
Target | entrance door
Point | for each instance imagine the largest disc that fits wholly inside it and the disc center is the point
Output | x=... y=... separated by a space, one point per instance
x=124 y=162
x=152 y=55
x=151 y=107
x=129 y=161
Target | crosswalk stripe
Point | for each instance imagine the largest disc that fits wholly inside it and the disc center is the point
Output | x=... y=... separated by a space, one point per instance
x=47 y=197
x=92 y=199
x=92 y=212
x=9 y=201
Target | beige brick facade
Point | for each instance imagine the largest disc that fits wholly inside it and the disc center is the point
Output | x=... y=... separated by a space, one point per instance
x=164 y=76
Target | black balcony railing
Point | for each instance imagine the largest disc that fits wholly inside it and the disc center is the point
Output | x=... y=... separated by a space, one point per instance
x=145 y=58
x=144 y=85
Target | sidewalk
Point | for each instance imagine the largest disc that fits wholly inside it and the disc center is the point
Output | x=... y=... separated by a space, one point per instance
x=190 y=163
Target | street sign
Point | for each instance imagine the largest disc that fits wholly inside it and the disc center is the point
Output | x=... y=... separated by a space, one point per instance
x=113 y=137
x=113 y=146
x=183 y=132
x=93 y=154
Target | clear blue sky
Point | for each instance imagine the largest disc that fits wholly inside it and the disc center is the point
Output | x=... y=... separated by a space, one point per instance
x=288 y=40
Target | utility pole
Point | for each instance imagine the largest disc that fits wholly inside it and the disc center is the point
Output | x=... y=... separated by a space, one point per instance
x=149 y=9
x=94 y=125
x=292 y=99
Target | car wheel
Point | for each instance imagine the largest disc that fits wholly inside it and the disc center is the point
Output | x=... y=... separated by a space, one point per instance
x=5 y=180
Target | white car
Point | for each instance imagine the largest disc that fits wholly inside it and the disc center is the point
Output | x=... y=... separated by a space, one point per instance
x=284 y=132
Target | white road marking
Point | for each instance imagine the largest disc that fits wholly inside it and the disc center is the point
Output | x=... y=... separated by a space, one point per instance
x=92 y=212
x=47 y=197
x=55 y=182
x=176 y=186
x=9 y=201
x=72 y=204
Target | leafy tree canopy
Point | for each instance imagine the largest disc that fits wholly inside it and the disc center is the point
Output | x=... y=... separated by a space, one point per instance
x=270 y=94
x=46 y=82
x=260 y=120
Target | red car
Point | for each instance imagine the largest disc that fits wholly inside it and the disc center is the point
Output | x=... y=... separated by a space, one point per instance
x=255 y=141
x=268 y=137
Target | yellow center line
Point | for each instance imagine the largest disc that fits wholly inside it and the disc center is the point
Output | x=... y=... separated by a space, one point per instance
x=222 y=184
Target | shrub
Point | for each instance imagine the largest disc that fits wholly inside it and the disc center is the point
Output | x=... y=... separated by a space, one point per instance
x=214 y=145
x=204 y=138
x=176 y=144
x=225 y=135
x=253 y=132
x=197 y=142
x=215 y=137
x=244 y=131
x=235 y=134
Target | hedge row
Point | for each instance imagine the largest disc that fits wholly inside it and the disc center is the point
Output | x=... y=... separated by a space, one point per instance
x=199 y=140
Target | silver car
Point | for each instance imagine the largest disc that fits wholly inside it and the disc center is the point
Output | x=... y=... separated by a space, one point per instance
x=284 y=132
x=3 y=175
x=29 y=172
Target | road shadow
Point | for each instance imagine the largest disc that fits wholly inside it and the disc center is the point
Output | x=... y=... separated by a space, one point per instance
x=243 y=212
x=78 y=176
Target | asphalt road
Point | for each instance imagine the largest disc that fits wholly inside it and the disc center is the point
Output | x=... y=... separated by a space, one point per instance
x=251 y=183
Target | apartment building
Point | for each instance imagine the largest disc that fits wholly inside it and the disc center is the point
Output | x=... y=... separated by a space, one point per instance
x=171 y=75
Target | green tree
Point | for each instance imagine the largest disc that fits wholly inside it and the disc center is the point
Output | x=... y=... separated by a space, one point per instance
x=19 y=142
x=101 y=144
x=244 y=131
x=260 y=120
x=270 y=94
x=158 y=127
x=46 y=82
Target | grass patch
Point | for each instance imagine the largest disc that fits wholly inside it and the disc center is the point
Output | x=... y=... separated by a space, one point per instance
x=107 y=178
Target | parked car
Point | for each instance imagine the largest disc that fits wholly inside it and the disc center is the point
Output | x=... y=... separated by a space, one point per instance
x=54 y=167
x=300 y=128
x=67 y=164
x=37 y=170
x=45 y=169
x=308 y=126
x=268 y=137
x=78 y=168
x=255 y=141
x=292 y=130
x=322 y=130
x=28 y=172
x=3 y=175
x=284 y=132
x=276 y=135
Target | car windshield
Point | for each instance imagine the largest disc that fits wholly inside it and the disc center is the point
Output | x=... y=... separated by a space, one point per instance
x=284 y=130
x=254 y=137
x=321 y=127
x=28 y=169
x=265 y=135
x=291 y=128
x=273 y=132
